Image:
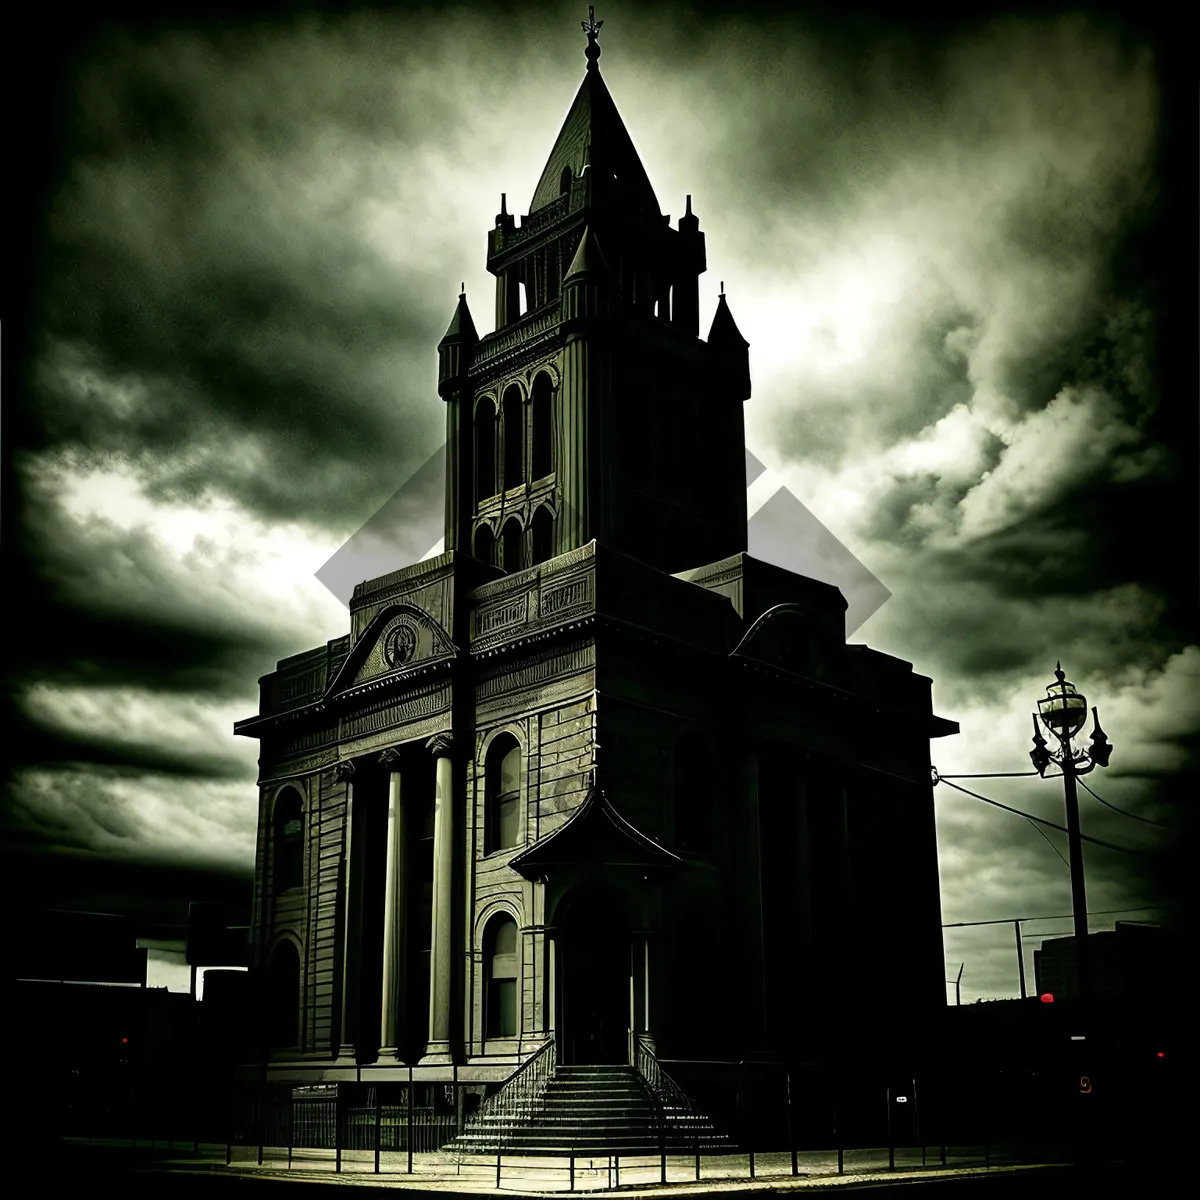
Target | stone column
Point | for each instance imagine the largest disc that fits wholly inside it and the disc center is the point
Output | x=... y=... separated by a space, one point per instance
x=344 y=773
x=639 y=985
x=395 y=914
x=441 y=964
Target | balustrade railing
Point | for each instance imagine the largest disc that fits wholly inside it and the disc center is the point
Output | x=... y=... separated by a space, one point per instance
x=674 y=1108
x=522 y=1095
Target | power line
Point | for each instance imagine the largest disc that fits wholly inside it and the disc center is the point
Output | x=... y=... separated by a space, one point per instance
x=1104 y=912
x=993 y=775
x=1133 y=816
x=1040 y=820
x=1051 y=845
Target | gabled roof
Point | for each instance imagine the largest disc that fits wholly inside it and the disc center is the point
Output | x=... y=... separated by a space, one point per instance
x=594 y=834
x=594 y=137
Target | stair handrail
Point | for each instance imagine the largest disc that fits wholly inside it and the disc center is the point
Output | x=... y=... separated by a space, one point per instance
x=664 y=1090
x=528 y=1082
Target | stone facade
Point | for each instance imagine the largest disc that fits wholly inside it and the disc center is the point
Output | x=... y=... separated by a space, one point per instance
x=593 y=772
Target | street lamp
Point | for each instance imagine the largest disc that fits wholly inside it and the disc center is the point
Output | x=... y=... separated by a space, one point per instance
x=1064 y=712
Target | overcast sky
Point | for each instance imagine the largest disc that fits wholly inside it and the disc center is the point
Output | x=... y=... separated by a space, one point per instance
x=951 y=250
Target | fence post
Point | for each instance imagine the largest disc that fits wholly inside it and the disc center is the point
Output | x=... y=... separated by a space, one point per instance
x=572 y=1170
x=837 y=1135
x=497 y=1167
x=337 y=1129
x=291 y=1124
x=891 y=1140
x=791 y=1125
x=261 y=1120
x=617 y=1171
x=408 y=1140
x=378 y=1124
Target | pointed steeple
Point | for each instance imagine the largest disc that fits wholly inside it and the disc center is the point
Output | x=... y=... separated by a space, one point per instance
x=730 y=348
x=461 y=328
x=589 y=262
x=593 y=135
x=724 y=333
x=454 y=350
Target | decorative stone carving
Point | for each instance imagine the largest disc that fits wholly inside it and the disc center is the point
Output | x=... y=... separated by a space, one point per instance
x=344 y=770
x=440 y=744
x=400 y=644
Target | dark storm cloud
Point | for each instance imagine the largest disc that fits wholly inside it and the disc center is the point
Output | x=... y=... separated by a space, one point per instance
x=102 y=606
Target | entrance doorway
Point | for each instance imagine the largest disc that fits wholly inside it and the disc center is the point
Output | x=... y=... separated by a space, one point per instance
x=595 y=973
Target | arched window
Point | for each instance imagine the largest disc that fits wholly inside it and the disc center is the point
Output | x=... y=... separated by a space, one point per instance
x=502 y=794
x=543 y=460
x=288 y=833
x=485 y=544
x=564 y=181
x=283 y=997
x=485 y=450
x=693 y=792
x=514 y=438
x=501 y=967
x=543 y=535
x=512 y=544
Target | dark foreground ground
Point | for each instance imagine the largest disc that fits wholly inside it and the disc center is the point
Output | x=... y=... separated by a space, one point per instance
x=135 y=1174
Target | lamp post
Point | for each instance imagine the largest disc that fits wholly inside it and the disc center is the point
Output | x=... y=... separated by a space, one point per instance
x=1064 y=712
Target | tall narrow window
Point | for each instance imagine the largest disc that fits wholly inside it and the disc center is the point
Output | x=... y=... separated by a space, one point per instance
x=485 y=544
x=543 y=535
x=512 y=544
x=485 y=451
x=500 y=982
x=693 y=793
x=543 y=428
x=502 y=794
x=514 y=438
x=283 y=997
x=564 y=181
x=288 y=830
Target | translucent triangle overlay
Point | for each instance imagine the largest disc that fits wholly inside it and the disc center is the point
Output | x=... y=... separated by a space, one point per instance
x=411 y=525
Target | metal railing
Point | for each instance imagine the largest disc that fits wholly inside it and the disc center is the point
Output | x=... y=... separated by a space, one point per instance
x=676 y=1113
x=520 y=1097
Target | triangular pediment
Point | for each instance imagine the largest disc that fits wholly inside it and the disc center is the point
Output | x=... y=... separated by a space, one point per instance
x=594 y=835
x=402 y=640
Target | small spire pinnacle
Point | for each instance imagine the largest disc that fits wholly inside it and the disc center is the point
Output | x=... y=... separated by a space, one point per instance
x=591 y=27
x=689 y=207
x=462 y=290
x=504 y=204
x=722 y=287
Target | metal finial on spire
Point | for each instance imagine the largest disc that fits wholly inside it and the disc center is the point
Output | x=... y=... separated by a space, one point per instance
x=722 y=287
x=462 y=288
x=689 y=207
x=591 y=27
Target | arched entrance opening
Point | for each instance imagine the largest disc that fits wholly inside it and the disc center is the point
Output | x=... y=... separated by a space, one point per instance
x=594 y=981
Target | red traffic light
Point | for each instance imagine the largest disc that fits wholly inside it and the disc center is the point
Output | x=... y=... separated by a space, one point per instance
x=1161 y=1054
x=124 y=1041
x=1047 y=997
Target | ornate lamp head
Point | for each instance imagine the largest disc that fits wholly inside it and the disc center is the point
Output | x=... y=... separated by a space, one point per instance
x=1064 y=710
x=1039 y=755
x=1101 y=748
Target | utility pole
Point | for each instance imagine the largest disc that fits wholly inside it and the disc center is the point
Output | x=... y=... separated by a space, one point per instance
x=1020 y=957
x=1064 y=712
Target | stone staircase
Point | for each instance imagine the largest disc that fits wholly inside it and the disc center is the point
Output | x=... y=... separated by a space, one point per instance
x=595 y=1110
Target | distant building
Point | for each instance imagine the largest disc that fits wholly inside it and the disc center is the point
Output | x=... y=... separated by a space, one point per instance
x=1121 y=960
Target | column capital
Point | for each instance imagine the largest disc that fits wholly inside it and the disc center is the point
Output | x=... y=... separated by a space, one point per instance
x=441 y=744
x=343 y=770
x=390 y=758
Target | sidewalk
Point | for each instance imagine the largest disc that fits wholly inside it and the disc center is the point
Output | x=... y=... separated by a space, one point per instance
x=537 y=1177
